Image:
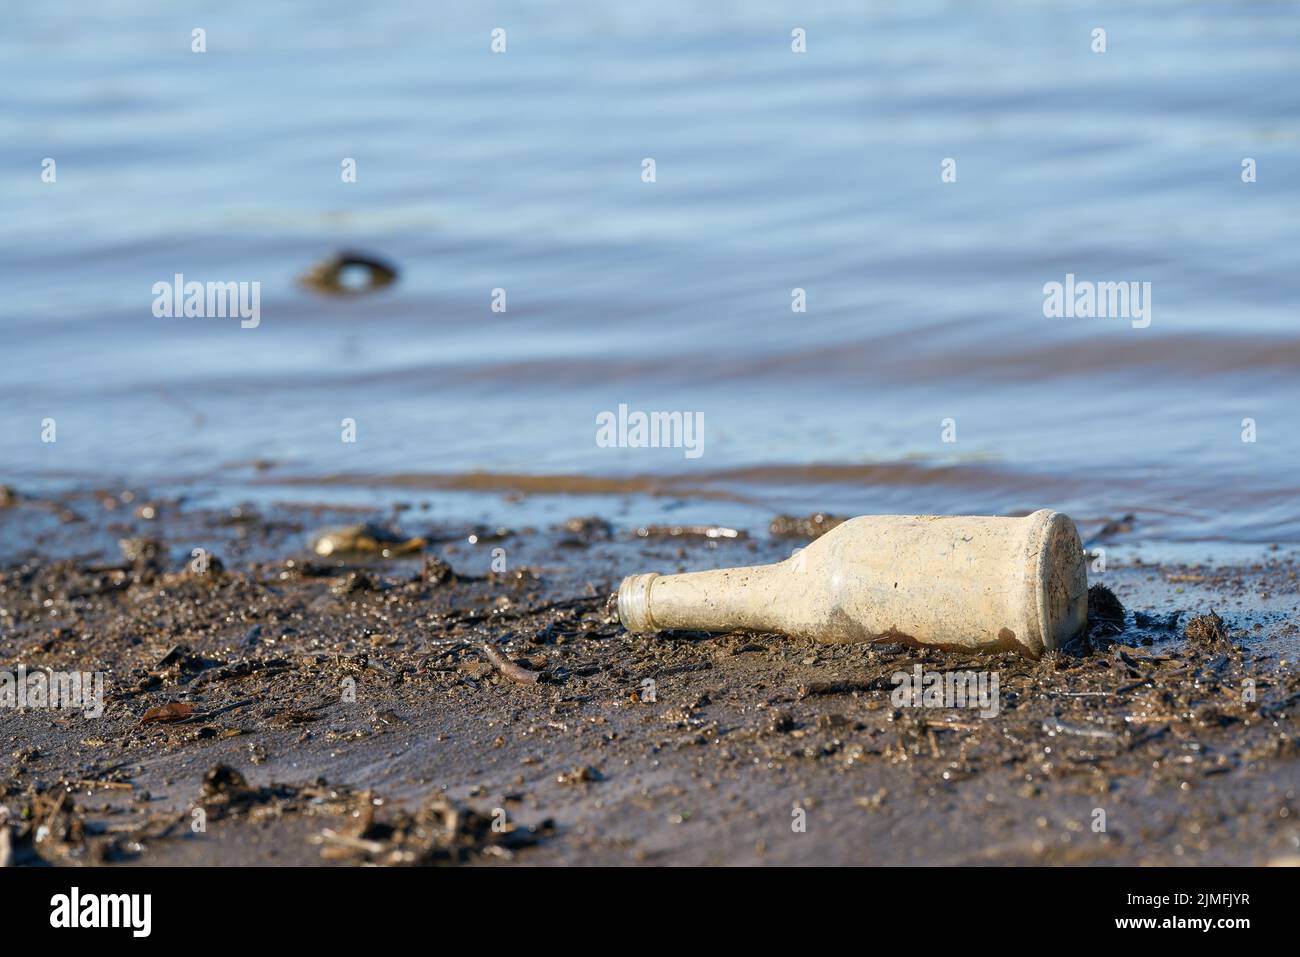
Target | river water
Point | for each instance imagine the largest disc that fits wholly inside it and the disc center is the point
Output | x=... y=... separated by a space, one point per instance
x=923 y=375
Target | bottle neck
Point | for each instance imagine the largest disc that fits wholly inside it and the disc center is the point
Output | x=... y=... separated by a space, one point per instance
x=721 y=600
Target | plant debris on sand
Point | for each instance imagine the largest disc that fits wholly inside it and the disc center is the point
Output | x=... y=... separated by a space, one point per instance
x=463 y=714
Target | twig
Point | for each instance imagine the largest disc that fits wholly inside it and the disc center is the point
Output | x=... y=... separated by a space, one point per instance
x=508 y=668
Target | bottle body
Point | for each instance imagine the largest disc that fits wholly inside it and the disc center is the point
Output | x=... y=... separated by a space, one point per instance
x=969 y=582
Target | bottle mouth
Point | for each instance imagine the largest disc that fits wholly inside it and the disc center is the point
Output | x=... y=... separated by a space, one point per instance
x=1061 y=581
x=634 y=603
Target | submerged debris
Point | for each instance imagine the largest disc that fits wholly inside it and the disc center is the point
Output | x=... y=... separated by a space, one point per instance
x=1112 y=528
x=349 y=273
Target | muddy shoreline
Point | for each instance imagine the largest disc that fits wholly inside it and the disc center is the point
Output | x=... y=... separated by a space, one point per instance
x=476 y=702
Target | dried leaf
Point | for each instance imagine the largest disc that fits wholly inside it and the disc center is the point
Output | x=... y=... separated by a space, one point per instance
x=175 y=711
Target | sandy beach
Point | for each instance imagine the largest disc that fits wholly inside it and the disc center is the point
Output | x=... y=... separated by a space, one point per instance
x=274 y=706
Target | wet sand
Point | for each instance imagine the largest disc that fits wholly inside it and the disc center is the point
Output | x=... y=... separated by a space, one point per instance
x=504 y=716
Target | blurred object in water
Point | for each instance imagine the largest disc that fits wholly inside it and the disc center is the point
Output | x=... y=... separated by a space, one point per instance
x=348 y=274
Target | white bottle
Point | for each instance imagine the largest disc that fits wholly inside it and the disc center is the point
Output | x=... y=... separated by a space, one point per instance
x=957 y=582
